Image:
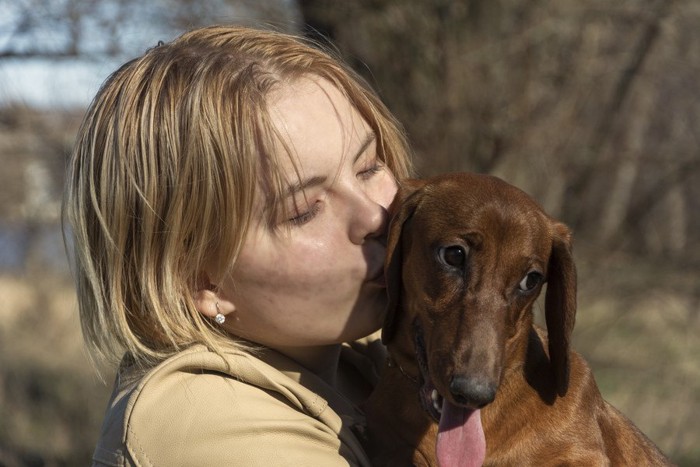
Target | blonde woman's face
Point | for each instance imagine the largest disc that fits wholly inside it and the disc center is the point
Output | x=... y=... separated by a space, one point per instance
x=316 y=278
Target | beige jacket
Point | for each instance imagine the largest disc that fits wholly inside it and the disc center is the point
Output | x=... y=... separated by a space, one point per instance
x=195 y=409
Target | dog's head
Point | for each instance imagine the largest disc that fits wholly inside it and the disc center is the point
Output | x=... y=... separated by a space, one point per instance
x=467 y=256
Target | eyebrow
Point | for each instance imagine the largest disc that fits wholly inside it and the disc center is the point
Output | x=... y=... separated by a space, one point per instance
x=302 y=185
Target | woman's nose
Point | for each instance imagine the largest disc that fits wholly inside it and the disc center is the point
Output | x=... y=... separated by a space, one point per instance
x=368 y=219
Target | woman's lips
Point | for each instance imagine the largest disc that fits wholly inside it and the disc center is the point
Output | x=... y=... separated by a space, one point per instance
x=375 y=250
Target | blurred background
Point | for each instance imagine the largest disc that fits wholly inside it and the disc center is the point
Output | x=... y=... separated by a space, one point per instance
x=592 y=107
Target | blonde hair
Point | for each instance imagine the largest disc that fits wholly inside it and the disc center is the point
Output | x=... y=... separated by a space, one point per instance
x=163 y=175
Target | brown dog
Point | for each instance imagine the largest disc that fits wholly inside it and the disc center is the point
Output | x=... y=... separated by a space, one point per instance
x=470 y=379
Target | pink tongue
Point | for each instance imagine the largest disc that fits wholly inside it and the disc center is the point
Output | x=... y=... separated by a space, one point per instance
x=460 y=440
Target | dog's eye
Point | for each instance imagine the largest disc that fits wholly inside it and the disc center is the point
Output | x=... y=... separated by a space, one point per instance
x=454 y=256
x=530 y=281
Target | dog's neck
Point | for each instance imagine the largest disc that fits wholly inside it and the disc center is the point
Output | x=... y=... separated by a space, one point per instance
x=402 y=354
x=391 y=363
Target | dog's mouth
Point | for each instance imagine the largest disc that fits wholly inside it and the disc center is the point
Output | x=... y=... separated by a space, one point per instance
x=460 y=439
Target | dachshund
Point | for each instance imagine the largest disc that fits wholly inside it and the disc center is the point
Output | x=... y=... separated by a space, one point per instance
x=470 y=379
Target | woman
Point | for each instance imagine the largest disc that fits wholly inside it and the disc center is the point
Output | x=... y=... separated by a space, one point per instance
x=227 y=196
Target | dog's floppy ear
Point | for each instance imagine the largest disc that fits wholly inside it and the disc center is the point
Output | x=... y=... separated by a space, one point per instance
x=560 y=305
x=401 y=210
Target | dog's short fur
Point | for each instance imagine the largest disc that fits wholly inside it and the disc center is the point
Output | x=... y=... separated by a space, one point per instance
x=467 y=256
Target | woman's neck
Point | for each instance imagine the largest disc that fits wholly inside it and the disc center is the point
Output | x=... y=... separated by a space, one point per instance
x=321 y=360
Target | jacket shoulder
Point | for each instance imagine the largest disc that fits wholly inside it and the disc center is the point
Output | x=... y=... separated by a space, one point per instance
x=200 y=409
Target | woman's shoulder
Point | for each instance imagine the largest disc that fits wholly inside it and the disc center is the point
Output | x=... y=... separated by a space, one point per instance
x=204 y=408
x=368 y=355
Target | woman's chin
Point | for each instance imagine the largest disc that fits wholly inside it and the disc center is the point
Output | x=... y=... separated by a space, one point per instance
x=365 y=323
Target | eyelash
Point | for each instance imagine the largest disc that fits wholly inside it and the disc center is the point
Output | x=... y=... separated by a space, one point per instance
x=368 y=173
x=305 y=217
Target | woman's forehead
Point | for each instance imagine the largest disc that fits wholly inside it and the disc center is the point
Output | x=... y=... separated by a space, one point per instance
x=311 y=111
x=315 y=128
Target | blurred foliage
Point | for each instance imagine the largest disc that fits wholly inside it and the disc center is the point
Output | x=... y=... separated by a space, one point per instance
x=51 y=400
x=592 y=107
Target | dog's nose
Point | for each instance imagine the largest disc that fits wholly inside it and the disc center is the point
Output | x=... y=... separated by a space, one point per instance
x=472 y=391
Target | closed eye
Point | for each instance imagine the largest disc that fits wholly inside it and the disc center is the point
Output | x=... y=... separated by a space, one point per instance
x=368 y=173
x=306 y=216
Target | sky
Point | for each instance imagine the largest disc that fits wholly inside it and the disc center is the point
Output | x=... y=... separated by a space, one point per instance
x=66 y=82
x=50 y=83
x=46 y=83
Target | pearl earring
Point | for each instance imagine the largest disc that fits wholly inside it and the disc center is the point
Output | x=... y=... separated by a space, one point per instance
x=219 y=318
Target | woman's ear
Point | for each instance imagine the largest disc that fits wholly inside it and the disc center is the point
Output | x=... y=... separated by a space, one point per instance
x=210 y=301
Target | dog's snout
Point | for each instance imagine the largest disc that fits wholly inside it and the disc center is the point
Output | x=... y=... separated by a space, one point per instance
x=472 y=391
